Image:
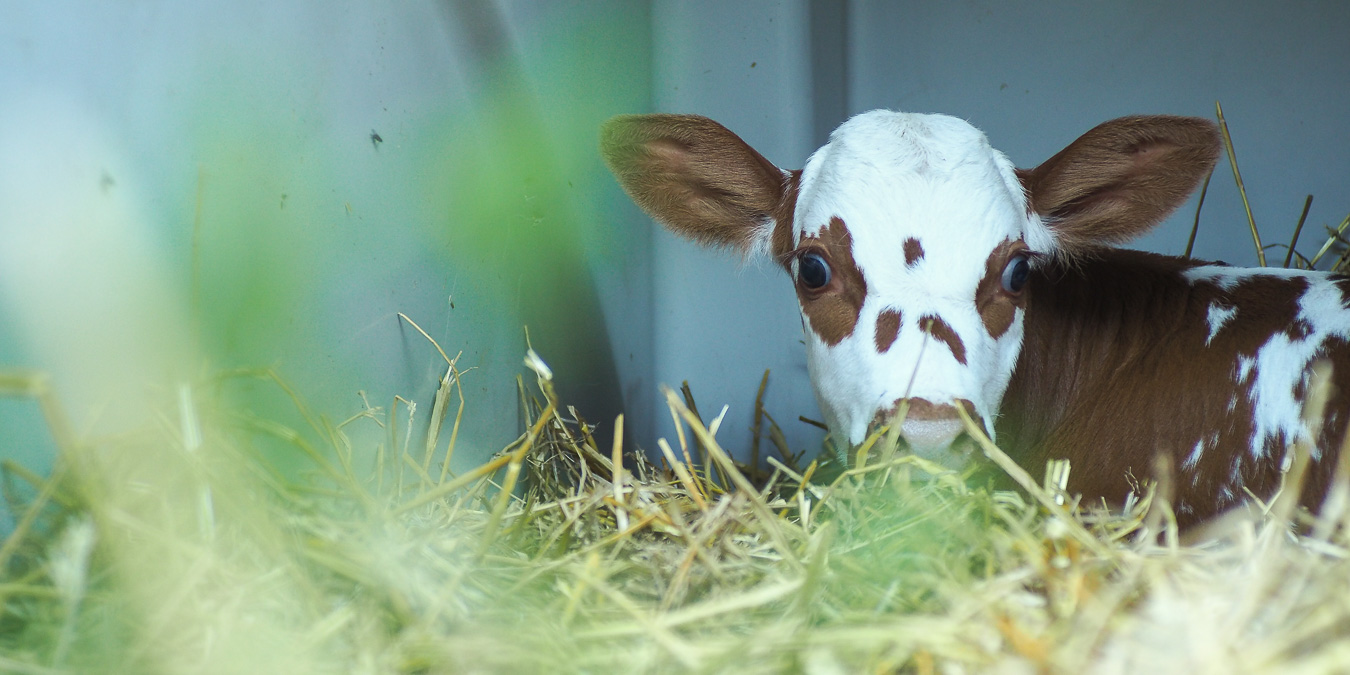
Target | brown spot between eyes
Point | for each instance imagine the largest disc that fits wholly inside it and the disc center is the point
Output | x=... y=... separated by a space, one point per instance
x=997 y=309
x=833 y=311
x=888 y=327
x=943 y=332
x=913 y=251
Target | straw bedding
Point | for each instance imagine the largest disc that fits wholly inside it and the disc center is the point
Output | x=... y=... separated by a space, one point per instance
x=150 y=554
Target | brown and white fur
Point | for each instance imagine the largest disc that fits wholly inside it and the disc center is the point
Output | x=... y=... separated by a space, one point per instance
x=929 y=269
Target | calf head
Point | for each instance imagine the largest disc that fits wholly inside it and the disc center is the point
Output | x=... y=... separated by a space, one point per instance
x=910 y=242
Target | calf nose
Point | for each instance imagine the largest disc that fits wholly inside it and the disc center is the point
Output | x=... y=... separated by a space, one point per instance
x=930 y=426
x=933 y=430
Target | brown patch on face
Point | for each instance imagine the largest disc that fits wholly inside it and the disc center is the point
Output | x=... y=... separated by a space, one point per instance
x=833 y=310
x=888 y=328
x=997 y=307
x=913 y=252
x=942 y=332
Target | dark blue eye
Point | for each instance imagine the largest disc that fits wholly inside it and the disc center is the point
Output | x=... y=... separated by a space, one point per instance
x=1015 y=274
x=812 y=271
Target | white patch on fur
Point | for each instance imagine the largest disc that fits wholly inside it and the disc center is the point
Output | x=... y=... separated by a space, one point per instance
x=1226 y=278
x=1243 y=371
x=894 y=176
x=1281 y=362
x=761 y=244
x=1217 y=316
x=1192 y=459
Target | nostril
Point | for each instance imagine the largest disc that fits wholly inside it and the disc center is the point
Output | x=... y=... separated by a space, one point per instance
x=923 y=409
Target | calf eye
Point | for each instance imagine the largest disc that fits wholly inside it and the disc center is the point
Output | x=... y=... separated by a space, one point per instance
x=813 y=271
x=1015 y=274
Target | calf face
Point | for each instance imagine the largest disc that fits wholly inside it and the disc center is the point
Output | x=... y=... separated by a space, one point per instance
x=910 y=242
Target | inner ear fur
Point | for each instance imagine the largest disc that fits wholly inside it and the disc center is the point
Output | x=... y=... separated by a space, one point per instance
x=1121 y=179
x=700 y=180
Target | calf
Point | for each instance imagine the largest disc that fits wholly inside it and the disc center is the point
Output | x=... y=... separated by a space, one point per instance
x=929 y=269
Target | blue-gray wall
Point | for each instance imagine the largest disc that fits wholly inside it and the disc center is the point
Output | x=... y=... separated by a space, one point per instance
x=1034 y=75
x=719 y=323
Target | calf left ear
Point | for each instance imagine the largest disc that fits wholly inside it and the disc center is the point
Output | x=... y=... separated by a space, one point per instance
x=701 y=181
x=1120 y=179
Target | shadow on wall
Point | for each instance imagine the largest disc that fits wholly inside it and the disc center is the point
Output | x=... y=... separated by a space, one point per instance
x=516 y=218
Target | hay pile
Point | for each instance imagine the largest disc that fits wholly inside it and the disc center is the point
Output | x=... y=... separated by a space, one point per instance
x=180 y=550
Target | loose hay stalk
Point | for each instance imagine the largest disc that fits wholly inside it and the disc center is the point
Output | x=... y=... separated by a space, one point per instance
x=1242 y=189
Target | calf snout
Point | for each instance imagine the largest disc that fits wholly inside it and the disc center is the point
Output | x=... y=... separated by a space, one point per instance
x=930 y=426
x=931 y=430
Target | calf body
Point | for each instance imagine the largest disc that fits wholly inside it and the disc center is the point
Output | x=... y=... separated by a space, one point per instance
x=932 y=274
x=1131 y=354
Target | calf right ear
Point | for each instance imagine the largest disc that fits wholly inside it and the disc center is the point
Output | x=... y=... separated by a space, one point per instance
x=701 y=181
x=1121 y=178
